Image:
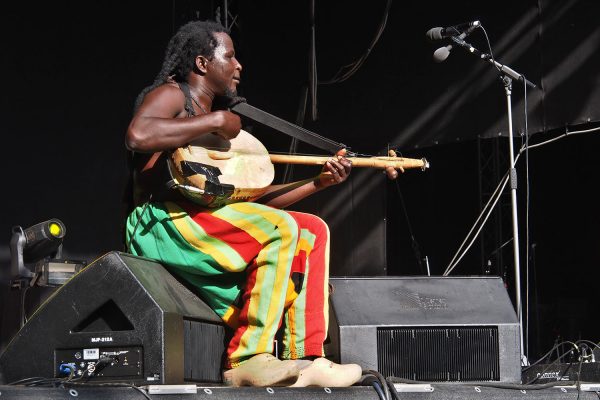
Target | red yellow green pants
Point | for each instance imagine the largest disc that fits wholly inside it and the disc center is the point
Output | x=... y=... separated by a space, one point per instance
x=257 y=267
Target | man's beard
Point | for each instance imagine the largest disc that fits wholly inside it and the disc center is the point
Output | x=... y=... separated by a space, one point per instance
x=226 y=101
x=230 y=93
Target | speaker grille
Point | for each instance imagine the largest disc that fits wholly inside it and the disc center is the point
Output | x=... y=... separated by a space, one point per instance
x=439 y=353
x=204 y=346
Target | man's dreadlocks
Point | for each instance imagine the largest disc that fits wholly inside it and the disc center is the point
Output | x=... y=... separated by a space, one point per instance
x=192 y=39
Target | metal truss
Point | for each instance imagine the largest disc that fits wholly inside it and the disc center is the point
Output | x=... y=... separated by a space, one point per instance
x=493 y=164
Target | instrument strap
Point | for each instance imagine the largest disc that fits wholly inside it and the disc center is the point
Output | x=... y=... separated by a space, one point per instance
x=242 y=108
x=185 y=88
x=283 y=126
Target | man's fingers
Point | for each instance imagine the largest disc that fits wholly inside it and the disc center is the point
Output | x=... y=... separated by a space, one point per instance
x=391 y=172
x=341 y=152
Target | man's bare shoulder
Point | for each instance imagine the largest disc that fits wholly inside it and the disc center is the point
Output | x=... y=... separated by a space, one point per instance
x=166 y=100
x=166 y=89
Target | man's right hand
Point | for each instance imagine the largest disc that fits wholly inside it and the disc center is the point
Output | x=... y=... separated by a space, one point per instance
x=228 y=124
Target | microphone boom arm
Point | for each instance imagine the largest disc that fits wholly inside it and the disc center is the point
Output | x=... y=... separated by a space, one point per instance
x=486 y=57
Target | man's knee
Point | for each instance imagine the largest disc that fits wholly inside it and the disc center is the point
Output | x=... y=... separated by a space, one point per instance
x=313 y=224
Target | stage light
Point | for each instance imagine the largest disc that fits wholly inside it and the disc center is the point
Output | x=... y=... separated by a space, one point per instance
x=35 y=255
x=42 y=240
x=55 y=229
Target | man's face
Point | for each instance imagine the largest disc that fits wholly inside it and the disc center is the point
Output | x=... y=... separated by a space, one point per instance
x=224 y=70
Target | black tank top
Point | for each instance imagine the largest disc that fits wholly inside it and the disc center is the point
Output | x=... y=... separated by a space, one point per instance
x=152 y=183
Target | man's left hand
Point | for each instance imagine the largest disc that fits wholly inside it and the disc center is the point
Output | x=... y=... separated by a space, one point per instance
x=335 y=170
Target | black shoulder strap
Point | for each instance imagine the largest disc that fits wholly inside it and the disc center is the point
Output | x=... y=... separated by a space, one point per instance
x=288 y=128
x=271 y=121
x=185 y=88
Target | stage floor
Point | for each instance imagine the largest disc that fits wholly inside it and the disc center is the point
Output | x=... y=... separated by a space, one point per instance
x=406 y=392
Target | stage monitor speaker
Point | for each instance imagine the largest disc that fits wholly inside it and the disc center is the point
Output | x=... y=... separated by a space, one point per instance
x=121 y=319
x=426 y=328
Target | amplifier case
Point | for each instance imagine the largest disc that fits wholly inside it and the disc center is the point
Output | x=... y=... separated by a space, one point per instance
x=125 y=302
x=426 y=328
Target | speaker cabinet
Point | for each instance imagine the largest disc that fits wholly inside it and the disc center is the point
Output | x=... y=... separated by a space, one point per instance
x=426 y=328
x=122 y=318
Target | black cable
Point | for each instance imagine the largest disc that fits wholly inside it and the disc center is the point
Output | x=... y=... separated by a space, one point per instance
x=487 y=39
x=525 y=145
x=39 y=380
x=348 y=70
x=393 y=390
x=382 y=382
x=23 y=308
x=548 y=354
x=142 y=391
x=588 y=342
x=24 y=380
x=108 y=384
x=413 y=241
x=44 y=383
x=377 y=386
x=103 y=362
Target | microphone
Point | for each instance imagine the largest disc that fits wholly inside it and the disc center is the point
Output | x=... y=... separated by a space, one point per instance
x=442 y=53
x=437 y=33
x=450 y=31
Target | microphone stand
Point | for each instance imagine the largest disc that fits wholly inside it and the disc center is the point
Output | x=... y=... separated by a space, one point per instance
x=507 y=76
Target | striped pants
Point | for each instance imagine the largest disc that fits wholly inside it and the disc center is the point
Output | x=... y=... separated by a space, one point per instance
x=257 y=267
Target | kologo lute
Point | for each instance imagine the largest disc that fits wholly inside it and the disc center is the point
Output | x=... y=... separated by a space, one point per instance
x=213 y=171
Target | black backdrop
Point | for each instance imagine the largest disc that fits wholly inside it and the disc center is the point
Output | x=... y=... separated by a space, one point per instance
x=72 y=70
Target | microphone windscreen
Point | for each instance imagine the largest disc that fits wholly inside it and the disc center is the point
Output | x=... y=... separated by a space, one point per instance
x=434 y=34
x=442 y=53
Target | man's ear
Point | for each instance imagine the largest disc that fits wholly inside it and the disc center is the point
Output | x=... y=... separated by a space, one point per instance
x=201 y=63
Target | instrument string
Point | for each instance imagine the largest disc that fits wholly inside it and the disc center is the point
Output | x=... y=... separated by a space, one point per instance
x=257 y=153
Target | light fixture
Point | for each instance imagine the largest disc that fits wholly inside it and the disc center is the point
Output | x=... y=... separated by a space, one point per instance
x=36 y=255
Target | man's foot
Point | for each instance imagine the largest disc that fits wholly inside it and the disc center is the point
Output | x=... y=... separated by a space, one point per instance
x=262 y=370
x=325 y=373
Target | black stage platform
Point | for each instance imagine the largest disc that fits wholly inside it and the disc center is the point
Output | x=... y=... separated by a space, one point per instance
x=149 y=328
x=409 y=392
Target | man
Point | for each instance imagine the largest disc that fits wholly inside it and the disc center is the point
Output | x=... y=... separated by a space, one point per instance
x=257 y=266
